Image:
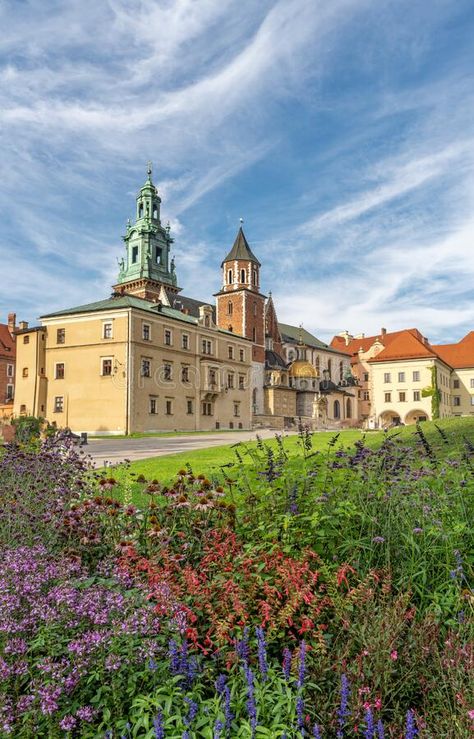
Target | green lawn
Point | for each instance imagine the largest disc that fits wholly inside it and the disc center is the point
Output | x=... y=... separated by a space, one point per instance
x=166 y=434
x=222 y=460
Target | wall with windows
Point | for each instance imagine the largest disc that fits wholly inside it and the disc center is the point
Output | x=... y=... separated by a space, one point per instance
x=462 y=392
x=30 y=373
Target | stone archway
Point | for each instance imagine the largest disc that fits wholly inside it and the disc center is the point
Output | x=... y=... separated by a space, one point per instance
x=389 y=418
x=415 y=416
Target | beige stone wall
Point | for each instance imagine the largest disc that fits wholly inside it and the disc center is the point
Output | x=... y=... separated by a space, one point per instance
x=30 y=374
x=465 y=392
x=280 y=401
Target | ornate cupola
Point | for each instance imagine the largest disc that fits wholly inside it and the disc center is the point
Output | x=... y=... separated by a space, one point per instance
x=146 y=268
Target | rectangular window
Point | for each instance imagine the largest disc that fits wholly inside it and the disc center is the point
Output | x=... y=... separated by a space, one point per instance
x=59 y=403
x=9 y=392
x=207 y=409
x=388 y=397
x=185 y=341
x=167 y=371
x=153 y=406
x=189 y=407
x=241 y=382
x=230 y=352
x=230 y=381
x=242 y=355
x=472 y=399
x=134 y=254
x=386 y=377
x=236 y=410
x=146 y=368
x=416 y=395
x=185 y=374
x=366 y=376
x=22 y=408
x=59 y=371
x=212 y=378
x=169 y=407
x=25 y=372
x=60 y=336
x=9 y=370
x=416 y=376
x=456 y=384
x=146 y=332
x=402 y=397
x=366 y=395
x=26 y=339
x=472 y=381
x=206 y=347
x=106 y=367
x=168 y=337
x=107 y=331
x=401 y=377
x=457 y=400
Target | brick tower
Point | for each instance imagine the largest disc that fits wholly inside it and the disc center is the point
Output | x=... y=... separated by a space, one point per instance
x=240 y=308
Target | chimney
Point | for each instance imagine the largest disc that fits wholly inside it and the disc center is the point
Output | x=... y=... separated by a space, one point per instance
x=383 y=331
x=11 y=322
x=23 y=325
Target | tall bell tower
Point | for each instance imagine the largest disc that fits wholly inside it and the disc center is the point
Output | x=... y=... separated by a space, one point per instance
x=146 y=267
x=240 y=307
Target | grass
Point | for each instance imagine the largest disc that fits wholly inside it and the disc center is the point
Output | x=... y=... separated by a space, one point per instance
x=217 y=461
x=166 y=434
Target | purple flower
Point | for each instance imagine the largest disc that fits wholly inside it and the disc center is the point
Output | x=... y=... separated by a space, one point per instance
x=380 y=730
x=218 y=726
x=300 y=714
x=410 y=728
x=250 y=704
x=262 y=652
x=86 y=713
x=242 y=646
x=287 y=663
x=343 y=711
x=67 y=723
x=369 y=724
x=316 y=732
x=158 y=725
x=302 y=667
x=223 y=690
x=192 y=711
x=378 y=540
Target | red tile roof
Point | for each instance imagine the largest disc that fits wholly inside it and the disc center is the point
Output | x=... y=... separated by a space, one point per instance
x=460 y=355
x=7 y=343
x=365 y=343
x=406 y=345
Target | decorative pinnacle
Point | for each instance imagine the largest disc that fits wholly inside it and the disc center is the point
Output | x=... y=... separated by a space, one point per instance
x=149 y=170
x=300 y=334
x=241 y=221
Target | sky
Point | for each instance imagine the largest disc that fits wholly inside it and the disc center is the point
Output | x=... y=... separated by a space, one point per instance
x=341 y=131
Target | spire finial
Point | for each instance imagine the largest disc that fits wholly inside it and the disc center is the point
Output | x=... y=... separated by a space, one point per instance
x=300 y=334
x=149 y=170
x=241 y=220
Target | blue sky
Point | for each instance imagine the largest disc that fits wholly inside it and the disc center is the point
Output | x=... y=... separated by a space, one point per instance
x=342 y=131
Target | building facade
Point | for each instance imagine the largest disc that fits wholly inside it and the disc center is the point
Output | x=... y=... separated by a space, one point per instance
x=7 y=366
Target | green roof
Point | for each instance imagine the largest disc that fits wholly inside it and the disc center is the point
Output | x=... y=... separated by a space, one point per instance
x=130 y=301
x=241 y=250
x=295 y=334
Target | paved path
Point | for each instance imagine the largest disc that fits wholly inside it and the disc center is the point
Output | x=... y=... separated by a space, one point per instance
x=113 y=450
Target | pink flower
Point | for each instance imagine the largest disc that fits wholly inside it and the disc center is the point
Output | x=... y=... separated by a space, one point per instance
x=394 y=654
x=378 y=704
x=471 y=714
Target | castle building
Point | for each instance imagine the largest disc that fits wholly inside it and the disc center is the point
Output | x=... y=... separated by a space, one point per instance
x=7 y=365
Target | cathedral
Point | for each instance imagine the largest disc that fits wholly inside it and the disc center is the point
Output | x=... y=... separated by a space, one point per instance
x=149 y=358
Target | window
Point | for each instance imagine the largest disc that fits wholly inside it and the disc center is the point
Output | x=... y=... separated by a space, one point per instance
x=241 y=382
x=337 y=409
x=472 y=399
x=388 y=397
x=212 y=378
x=185 y=374
x=167 y=371
x=230 y=308
x=153 y=406
x=206 y=346
x=230 y=381
x=60 y=336
x=169 y=408
x=236 y=410
x=107 y=331
x=387 y=377
x=366 y=376
x=416 y=395
x=134 y=254
x=255 y=309
x=189 y=407
x=456 y=384
x=146 y=368
x=22 y=408
x=106 y=367
x=168 y=337
x=402 y=397
x=457 y=400
x=185 y=341
x=26 y=339
x=230 y=352
x=242 y=355
x=146 y=332
x=9 y=392
x=207 y=409
x=254 y=334
x=401 y=377
x=158 y=253
x=229 y=277
x=9 y=370
x=472 y=382
x=366 y=395
x=59 y=371
x=25 y=372
x=254 y=277
x=58 y=404
x=242 y=275
x=416 y=376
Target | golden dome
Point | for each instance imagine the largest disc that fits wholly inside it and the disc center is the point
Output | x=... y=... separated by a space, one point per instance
x=302 y=368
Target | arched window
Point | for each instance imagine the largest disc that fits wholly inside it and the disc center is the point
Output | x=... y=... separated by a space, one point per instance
x=348 y=408
x=254 y=334
x=242 y=275
x=229 y=328
x=337 y=409
x=229 y=277
x=155 y=212
x=254 y=276
x=140 y=210
x=230 y=308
